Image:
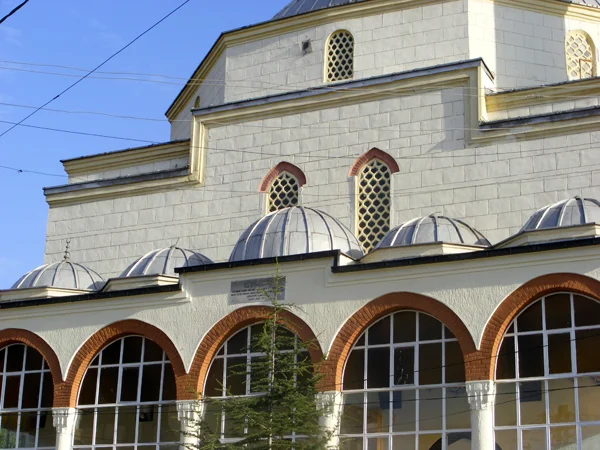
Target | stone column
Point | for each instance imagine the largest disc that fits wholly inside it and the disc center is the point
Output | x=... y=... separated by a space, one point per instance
x=64 y=422
x=331 y=404
x=188 y=413
x=481 y=396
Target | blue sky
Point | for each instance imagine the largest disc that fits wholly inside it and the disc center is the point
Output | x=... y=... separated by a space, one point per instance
x=82 y=34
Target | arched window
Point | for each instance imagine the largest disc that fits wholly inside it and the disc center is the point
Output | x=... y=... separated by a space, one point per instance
x=404 y=387
x=127 y=398
x=26 y=397
x=581 y=55
x=225 y=377
x=548 y=376
x=339 y=56
x=282 y=185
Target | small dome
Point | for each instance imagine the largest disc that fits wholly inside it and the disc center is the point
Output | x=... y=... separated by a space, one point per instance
x=292 y=231
x=64 y=274
x=566 y=213
x=433 y=228
x=164 y=262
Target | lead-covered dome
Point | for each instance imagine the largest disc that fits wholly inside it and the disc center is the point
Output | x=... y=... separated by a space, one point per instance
x=566 y=213
x=292 y=231
x=64 y=275
x=164 y=262
x=433 y=228
x=296 y=7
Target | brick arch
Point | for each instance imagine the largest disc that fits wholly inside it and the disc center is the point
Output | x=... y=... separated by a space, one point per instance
x=68 y=394
x=231 y=324
x=30 y=339
x=372 y=154
x=483 y=367
x=381 y=307
x=283 y=166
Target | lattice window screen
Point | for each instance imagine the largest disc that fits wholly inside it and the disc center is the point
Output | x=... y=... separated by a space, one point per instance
x=340 y=56
x=580 y=55
x=373 y=203
x=284 y=192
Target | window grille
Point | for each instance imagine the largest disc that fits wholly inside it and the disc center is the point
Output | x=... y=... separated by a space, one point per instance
x=373 y=203
x=283 y=192
x=127 y=398
x=548 y=376
x=340 y=56
x=26 y=397
x=580 y=55
x=404 y=387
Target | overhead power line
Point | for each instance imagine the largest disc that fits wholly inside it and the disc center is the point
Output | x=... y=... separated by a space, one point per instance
x=71 y=86
x=13 y=11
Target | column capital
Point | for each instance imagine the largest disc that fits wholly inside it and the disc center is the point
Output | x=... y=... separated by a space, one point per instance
x=63 y=419
x=188 y=410
x=329 y=402
x=481 y=394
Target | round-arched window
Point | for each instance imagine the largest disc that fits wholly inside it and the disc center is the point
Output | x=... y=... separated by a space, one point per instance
x=404 y=387
x=548 y=376
x=26 y=397
x=127 y=398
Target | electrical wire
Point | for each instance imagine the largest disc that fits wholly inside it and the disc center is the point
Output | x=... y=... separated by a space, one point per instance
x=15 y=9
x=71 y=86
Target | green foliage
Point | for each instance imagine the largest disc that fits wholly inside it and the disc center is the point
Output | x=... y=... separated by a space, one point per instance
x=282 y=400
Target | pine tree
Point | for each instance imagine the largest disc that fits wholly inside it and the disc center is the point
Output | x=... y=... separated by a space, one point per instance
x=283 y=393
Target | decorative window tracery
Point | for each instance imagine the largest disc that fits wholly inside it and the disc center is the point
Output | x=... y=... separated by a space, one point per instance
x=404 y=387
x=283 y=192
x=373 y=203
x=581 y=55
x=340 y=56
x=548 y=376
x=26 y=398
x=127 y=399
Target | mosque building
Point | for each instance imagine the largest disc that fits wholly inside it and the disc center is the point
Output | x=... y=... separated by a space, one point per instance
x=424 y=174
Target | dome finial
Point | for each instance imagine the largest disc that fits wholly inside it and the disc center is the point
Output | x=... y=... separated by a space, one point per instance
x=175 y=244
x=67 y=252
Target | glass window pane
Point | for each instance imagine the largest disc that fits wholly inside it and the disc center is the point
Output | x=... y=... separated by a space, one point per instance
x=561 y=395
x=87 y=393
x=378 y=412
x=531 y=356
x=459 y=441
x=506 y=439
x=405 y=325
x=352 y=414
x=83 y=427
x=152 y=352
x=378 y=370
x=403 y=442
x=105 y=425
x=589 y=398
x=127 y=420
x=11 y=392
x=430 y=409
x=587 y=311
x=361 y=341
x=14 y=361
x=430 y=364
x=458 y=411
x=559 y=353
x=214 y=380
x=148 y=423
x=404 y=366
x=236 y=376
x=558 y=311
x=8 y=430
x=33 y=360
x=169 y=424
x=47 y=391
x=109 y=378
x=429 y=441
x=534 y=439
x=112 y=353
x=378 y=443
x=238 y=343
x=27 y=430
x=532 y=402
x=31 y=390
x=354 y=373
x=351 y=443
x=151 y=383
x=531 y=318
x=455 y=365
x=129 y=384
x=47 y=432
x=590 y=437
x=404 y=405
x=169 y=386
x=506 y=404
x=505 y=369
x=379 y=332
x=563 y=438
x=429 y=328
x=132 y=349
x=588 y=343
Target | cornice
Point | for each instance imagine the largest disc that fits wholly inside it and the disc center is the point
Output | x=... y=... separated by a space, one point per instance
x=555 y=8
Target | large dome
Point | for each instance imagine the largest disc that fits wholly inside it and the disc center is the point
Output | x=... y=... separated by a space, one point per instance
x=64 y=274
x=292 y=231
x=296 y=7
x=433 y=228
x=164 y=262
x=573 y=211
